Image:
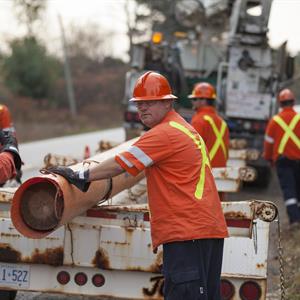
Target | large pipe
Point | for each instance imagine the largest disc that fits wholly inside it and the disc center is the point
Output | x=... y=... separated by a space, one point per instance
x=44 y=203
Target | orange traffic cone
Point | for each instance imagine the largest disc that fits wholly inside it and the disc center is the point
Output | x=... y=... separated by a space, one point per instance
x=87 y=152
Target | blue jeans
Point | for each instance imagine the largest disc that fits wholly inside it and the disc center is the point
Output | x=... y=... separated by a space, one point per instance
x=288 y=172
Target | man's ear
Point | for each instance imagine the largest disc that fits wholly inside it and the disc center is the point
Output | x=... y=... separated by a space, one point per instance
x=168 y=104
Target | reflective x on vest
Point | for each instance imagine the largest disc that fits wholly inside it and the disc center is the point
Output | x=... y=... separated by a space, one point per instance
x=205 y=161
x=219 y=137
x=288 y=132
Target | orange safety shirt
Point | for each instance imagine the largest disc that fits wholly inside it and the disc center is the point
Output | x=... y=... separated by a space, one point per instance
x=204 y=127
x=275 y=134
x=5 y=118
x=7 y=166
x=175 y=167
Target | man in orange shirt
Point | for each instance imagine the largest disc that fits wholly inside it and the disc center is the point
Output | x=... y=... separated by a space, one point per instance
x=10 y=161
x=282 y=148
x=186 y=214
x=209 y=124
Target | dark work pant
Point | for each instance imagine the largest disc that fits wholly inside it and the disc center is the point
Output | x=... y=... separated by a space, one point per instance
x=192 y=269
x=288 y=172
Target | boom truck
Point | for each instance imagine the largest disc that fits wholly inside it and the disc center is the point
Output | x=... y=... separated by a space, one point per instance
x=56 y=239
x=224 y=43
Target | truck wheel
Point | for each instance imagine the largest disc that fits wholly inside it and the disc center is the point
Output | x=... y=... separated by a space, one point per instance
x=8 y=295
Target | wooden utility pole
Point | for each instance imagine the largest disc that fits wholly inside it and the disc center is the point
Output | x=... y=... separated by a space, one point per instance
x=67 y=71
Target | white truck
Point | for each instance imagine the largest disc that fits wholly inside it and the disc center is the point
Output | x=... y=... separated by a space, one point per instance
x=106 y=252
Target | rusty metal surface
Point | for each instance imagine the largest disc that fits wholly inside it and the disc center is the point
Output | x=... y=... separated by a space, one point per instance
x=14 y=247
x=52 y=257
x=115 y=243
x=265 y=210
x=6 y=194
x=247 y=174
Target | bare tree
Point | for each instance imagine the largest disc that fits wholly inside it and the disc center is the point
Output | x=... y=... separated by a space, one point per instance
x=90 y=41
x=29 y=12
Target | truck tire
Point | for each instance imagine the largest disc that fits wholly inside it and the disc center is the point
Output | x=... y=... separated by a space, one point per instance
x=8 y=295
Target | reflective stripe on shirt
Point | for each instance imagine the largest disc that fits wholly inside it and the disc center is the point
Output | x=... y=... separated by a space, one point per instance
x=269 y=139
x=126 y=161
x=288 y=132
x=140 y=155
x=219 y=137
x=205 y=162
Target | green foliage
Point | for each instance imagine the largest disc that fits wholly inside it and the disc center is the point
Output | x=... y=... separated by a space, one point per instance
x=29 y=71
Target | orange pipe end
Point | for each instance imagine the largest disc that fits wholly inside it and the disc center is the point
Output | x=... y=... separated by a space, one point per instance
x=16 y=207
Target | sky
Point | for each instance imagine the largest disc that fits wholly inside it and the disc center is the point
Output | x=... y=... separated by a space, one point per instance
x=284 y=22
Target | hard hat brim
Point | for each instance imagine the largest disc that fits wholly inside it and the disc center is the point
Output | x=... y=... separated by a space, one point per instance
x=153 y=98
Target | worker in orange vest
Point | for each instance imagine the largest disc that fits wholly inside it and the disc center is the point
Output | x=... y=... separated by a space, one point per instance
x=10 y=161
x=282 y=148
x=186 y=214
x=212 y=128
x=7 y=126
x=6 y=123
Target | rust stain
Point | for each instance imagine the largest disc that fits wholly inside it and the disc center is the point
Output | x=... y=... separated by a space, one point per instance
x=8 y=254
x=129 y=229
x=101 y=259
x=235 y=215
x=9 y=235
x=157 y=266
x=224 y=174
x=260 y=266
x=51 y=256
x=49 y=238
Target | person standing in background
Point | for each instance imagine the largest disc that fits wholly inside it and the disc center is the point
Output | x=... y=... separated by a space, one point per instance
x=209 y=124
x=282 y=149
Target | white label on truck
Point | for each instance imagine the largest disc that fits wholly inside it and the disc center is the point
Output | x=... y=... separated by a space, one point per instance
x=248 y=105
x=14 y=275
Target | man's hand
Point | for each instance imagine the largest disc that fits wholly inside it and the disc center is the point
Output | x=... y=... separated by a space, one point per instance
x=77 y=178
x=9 y=144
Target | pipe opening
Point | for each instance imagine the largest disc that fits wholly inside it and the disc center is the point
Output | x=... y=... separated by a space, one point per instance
x=42 y=206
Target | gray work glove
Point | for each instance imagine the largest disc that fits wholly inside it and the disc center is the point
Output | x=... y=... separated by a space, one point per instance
x=10 y=144
x=77 y=178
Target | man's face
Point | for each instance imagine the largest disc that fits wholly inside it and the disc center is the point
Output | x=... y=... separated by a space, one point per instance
x=198 y=103
x=152 y=112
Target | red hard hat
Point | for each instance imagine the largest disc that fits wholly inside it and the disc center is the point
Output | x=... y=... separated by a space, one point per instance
x=203 y=90
x=286 y=95
x=152 y=86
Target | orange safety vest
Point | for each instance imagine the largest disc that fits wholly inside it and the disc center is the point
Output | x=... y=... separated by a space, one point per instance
x=215 y=134
x=283 y=135
x=182 y=195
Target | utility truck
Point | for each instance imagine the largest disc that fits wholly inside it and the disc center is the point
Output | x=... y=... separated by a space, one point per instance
x=224 y=43
x=105 y=250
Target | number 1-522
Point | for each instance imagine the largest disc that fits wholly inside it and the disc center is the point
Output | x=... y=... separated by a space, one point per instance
x=14 y=275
